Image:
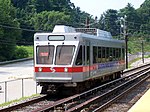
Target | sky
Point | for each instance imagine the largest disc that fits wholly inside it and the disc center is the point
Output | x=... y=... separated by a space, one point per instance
x=97 y=7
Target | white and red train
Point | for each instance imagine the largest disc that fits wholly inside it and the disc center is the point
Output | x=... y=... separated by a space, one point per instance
x=70 y=58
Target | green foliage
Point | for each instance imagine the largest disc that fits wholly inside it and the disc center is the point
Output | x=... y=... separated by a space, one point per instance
x=47 y=20
x=20 y=52
x=29 y=49
x=31 y=12
x=135 y=45
x=144 y=13
x=137 y=24
x=7 y=40
x=32 y=15
x=109 y=22
x=131 y=17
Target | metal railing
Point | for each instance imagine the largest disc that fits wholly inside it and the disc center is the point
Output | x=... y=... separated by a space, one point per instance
x=17 y=88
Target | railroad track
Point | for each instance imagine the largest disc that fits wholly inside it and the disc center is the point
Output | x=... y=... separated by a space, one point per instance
x=95 y=100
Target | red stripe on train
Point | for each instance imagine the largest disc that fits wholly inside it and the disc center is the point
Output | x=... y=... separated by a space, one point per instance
x=61 y=69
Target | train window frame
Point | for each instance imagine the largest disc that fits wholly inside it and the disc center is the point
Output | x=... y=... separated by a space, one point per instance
x=52 y=39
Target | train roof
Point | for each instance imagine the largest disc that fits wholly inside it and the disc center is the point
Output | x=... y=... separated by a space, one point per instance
x=91 y=33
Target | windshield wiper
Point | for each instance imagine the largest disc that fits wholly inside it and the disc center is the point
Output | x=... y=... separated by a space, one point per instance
x=60 y=51
x=49 y=50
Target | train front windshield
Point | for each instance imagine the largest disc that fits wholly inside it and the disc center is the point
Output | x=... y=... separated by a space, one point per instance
x=45 y=54
x=64 y=54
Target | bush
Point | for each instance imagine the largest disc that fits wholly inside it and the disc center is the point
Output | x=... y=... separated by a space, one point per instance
x=20 y=52
x=29 y=50
x=2 y=58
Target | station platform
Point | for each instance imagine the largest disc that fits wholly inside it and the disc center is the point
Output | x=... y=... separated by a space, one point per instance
x=143 y=104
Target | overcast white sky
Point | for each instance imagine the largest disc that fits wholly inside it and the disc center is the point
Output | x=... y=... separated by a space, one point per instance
x=97 y=7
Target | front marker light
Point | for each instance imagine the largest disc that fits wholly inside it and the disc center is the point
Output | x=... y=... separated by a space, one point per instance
x=40 y=69
x=65 y=69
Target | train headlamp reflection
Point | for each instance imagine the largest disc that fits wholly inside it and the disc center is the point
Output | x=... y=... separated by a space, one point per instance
x=65 y=69
x=40 y=69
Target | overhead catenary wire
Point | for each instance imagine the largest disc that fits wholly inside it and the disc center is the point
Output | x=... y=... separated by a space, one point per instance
x=12 y=27
x=10 y=43
x=6 y=42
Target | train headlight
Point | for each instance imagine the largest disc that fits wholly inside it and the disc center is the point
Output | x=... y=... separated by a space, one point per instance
x=40 y=69
x=65 y=69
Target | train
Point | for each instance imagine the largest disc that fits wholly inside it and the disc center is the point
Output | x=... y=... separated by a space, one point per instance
x=74 y=59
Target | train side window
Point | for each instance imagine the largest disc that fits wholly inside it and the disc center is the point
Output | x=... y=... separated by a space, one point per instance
x=120 y=54
x=79 y=57
x=114 y=54
x=94 y=54
x=88 y=55
x=83 y=53
x=110 y=54
x=103 y=54
x=123 y=53
x=99 y=55
x=117 y=54
x=107 y=54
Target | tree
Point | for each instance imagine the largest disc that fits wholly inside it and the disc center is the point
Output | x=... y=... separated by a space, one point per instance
x=47 y=20
x=144 y=14
x=132 y=18
x=19 y=3
x=109 y=22
x=29 y=11
x=8 y=31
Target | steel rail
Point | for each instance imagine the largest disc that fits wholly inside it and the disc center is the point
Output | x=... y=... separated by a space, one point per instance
x=110 y=102
x=107 y=94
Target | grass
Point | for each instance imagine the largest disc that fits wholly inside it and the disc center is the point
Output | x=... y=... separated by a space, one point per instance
x=135 y=47
x=18 y=100
x=139 y=58
x=136 y=59
x=148 y=56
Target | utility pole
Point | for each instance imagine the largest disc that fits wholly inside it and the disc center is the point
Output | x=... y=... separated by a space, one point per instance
x=87 y=22
x=126 y=40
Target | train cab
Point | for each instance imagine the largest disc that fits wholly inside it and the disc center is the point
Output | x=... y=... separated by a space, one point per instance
x=55 y=55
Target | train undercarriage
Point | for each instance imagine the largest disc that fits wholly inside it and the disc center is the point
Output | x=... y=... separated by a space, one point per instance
x=74 y=88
